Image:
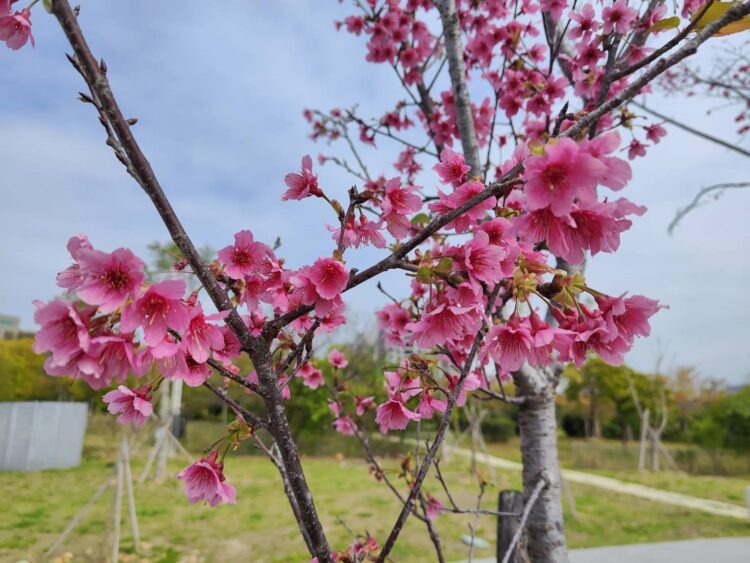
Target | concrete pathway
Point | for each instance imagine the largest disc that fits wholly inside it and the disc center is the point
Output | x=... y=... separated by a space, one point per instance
x=677 y=499
x=716 y=550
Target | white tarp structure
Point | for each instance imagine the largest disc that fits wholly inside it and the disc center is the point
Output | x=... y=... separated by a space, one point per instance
x=41 y=435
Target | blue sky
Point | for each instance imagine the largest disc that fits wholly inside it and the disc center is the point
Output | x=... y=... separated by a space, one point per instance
x=219 y=94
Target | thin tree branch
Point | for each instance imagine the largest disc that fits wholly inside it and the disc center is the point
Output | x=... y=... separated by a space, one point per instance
x=693 y=130
x=439 y=436
x=524 y=517
x=668 y=46
x=696 y=200
x=95 y=75
x=258 y=349
x=254 y=420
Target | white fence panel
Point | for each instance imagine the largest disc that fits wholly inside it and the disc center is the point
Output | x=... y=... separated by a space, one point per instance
x=41 y=435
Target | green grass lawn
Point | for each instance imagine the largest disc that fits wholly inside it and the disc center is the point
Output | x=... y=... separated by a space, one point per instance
x=38 y=505
x=602 y=455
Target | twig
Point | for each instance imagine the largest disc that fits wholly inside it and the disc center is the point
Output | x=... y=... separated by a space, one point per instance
x=696 y=200
x=525 y=516
x=94 y=74
x=439 y=436
x=473 y=525
x=254 y=420
x=693 y=130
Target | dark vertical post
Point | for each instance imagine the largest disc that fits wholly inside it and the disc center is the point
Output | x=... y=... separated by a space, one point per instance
x=510 y=505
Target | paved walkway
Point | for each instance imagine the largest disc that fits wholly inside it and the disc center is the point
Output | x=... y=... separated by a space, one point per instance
x=717 y=550
x=677 y=499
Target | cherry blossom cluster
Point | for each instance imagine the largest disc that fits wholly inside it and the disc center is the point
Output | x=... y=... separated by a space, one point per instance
x=512 y=58
x=488 y=293
x=15 y=27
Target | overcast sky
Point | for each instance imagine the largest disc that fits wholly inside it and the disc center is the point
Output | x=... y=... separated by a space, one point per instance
x=219 y=93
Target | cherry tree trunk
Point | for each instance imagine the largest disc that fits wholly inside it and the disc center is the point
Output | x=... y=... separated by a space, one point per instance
x=538 y=429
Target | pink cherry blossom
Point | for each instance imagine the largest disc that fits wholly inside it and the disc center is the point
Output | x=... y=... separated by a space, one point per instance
x=109 y=279
x=230 y=349
x=619 y=17
x=429 y=404
x=204 y=480
x=158 y=309
x=545 y=340
x=393 y=415
x=509 y=344
x=245 y=257
x=628 y=316
x=15 y=29
x=64 y=329
x=590 y=333
x=442 y=323
x=618 y=172
x=345 y=425
x=432 y=507
x=455 y=200
x=392 y=320
x=131 y=405
x=481 y=260
x=585 y=20
x=72 y=277
x=312 y=377
x=397 y=204
x=329 y=277
x=636 y=149
x=115 y=356
x=337 y=359
x=655 y=132
x=200 y=336
x=472 y=382
x=304 y=184
x=363 y=404
x=195 y=374
x=563 y=173
x=452 y=167
x=360 y=232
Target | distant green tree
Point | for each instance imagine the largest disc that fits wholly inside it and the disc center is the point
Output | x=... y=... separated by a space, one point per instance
x=22 y=377
x=603 y=393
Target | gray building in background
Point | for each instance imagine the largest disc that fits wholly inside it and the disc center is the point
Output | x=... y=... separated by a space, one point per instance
x=41 y=435
x=9 y=327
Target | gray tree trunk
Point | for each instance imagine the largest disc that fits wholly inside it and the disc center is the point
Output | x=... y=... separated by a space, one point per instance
x=536 y=420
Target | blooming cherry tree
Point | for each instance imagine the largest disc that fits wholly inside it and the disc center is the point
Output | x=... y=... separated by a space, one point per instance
x=500 y=197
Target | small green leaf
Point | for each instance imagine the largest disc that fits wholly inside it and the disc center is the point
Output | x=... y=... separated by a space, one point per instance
x=536 y=149
x=420 y=219
x=47 y=5
x=424 y=275
x=445 y=265
x=666 y=23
